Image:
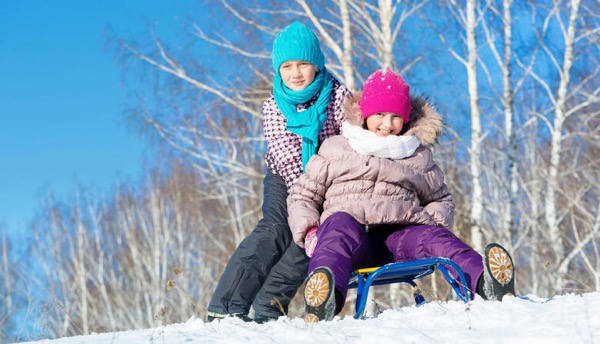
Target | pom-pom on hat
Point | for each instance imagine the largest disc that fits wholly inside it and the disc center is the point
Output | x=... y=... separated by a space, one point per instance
x=297 y=42
x=385 y=91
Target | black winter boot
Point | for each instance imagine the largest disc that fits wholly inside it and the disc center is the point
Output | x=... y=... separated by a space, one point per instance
x=319 y=296
x=498 y=274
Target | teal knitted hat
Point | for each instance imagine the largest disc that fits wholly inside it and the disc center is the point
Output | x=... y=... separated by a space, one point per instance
x=297 y=42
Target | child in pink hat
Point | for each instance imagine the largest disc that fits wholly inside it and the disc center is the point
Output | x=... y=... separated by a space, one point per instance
x=374 y=195
x=385 y=91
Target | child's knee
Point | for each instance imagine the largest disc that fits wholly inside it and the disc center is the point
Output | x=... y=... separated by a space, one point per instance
x=339 y=221
x=340 y=216
x=341 y=229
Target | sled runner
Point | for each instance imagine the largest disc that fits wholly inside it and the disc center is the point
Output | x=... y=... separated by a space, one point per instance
x=406 y=272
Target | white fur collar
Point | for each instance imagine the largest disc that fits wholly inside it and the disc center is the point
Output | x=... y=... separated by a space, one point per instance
x=366 y=142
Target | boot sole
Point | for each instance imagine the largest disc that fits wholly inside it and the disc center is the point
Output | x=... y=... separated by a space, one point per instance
x=318 y=296
x=499 y=264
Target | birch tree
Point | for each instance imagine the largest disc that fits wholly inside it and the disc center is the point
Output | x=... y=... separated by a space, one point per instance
x=476 y=137
x=559 y=100
x=508 y=103
x=150 y=253
x=469 y=19
x=558 y=97
x=140 y=262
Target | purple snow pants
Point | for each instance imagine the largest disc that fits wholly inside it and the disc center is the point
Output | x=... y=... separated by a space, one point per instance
x=343 y=246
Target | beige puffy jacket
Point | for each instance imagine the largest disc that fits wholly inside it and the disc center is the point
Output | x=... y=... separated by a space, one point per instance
x=373 y=190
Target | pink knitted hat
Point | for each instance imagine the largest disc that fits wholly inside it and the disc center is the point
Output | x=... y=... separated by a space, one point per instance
x=385 y=91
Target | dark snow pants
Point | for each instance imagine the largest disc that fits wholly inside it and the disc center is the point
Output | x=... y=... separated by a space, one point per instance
x=267 y=268
x=343 y=246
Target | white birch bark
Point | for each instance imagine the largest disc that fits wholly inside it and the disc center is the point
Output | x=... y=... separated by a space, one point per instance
x=476 y=139
x=387 y=40
x=508 y=101
x=346 y=58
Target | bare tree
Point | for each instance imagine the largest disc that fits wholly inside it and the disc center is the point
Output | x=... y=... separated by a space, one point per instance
x=541 y=98
x=149 y=253
x=476 y=137
x=135 y=261
x=561 y=97
x=469 y=20
x=508 y=103
x=556 y=130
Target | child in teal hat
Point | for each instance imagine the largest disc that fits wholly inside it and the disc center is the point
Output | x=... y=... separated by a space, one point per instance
x=298 y=43
x=304 y=109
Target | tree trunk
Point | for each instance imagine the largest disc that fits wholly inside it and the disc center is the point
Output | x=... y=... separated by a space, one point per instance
x=387 y=43
x=477 y=192
x=556 y=146
x=346 y=58
x=508 y=220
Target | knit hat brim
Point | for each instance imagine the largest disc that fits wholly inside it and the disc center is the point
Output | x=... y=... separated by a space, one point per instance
x=387 y=102
x=297 y=42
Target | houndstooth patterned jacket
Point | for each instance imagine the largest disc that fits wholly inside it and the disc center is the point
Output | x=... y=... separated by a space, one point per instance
x=284 y=148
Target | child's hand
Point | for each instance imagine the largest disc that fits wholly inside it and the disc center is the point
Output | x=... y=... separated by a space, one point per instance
x=310 y=241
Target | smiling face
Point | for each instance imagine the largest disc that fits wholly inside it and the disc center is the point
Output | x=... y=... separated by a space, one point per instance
x=297 y=74
x=385 y=123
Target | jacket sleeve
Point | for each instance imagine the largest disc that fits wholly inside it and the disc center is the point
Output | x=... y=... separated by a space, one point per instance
x=306 y=197
x=437 y=200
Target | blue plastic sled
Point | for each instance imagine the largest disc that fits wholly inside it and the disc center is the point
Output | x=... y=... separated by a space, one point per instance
x=406 y=272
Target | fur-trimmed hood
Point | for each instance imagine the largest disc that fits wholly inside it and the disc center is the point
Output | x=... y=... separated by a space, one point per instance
x=425 y=122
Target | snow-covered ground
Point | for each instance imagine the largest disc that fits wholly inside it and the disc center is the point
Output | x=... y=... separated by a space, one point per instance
x=563 y=319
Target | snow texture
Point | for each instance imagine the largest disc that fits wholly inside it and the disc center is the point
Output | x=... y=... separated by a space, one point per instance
x=563 y=319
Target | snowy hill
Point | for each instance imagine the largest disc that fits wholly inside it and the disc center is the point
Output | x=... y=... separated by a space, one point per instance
x=563 y=319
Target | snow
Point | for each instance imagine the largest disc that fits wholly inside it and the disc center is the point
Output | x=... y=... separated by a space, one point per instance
x=571 y=318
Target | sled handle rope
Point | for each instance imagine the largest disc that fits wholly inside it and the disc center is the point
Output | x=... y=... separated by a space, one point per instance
x=407 y=272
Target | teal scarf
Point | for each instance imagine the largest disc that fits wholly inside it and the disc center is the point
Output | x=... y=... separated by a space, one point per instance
x=309 y=123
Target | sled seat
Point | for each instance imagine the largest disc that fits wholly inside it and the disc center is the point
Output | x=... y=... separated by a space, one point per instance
x=406 y=272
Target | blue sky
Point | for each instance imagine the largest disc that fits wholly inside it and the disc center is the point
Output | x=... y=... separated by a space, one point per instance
x=62 y=99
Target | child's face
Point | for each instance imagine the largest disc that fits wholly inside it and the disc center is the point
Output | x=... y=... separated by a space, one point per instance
x=385 y=123
x=297 y=74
